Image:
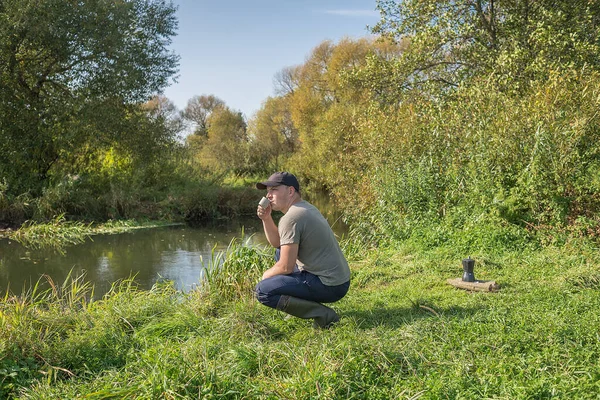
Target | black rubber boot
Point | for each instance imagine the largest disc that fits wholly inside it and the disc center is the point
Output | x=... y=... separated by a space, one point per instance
x=323 y=316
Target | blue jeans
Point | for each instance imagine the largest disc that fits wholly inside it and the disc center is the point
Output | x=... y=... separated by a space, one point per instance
x=301 y=284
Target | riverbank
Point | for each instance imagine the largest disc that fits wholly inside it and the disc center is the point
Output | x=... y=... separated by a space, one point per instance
x=404 y=333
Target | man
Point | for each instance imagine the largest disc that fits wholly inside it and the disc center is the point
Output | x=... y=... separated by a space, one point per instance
x=310 y=267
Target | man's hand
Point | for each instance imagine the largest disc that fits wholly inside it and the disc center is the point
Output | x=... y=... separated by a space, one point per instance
x=264 y=213
x=287 y=260
x=268 y=224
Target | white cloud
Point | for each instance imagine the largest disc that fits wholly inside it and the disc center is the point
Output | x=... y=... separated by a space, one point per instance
x=353 y=13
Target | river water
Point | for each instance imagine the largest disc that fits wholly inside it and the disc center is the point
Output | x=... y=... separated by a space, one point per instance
x=173 y=253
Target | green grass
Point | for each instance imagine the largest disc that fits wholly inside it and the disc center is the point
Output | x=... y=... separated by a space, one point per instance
x=404 y=334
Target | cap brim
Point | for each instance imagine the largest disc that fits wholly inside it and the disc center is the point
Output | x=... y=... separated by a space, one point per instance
x=264 y=185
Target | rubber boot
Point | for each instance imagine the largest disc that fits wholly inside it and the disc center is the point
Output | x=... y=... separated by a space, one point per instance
x=323 y=316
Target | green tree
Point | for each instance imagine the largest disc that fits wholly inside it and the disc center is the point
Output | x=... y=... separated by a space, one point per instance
x=274 y=138
x=198 y=110
x=226 y=146
x=72 y=75
x=451 y=41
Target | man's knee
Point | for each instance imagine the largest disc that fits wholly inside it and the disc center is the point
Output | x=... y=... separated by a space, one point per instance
x=259 y=293
x=264 y=296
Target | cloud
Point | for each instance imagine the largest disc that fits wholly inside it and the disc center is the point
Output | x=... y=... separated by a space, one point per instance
x=353 y=13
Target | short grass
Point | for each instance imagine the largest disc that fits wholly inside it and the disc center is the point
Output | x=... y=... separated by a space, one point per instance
x=404 y=334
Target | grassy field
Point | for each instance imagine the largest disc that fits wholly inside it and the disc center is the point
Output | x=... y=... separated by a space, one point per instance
x=404 y=333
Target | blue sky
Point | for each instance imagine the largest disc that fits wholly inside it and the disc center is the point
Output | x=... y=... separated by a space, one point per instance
x=233 y=49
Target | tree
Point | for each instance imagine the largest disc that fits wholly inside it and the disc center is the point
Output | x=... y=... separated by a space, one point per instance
x=519 y=41
x=273 y=134
x=226 y=146
x=71 y=72
x=163 y=110
x=322 y=106
x=198 y=110
x=286 y=80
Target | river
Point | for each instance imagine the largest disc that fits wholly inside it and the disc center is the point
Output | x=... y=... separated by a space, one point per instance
x=174 y=253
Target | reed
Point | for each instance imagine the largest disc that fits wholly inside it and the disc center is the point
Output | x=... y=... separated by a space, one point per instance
x=233 y=273
x=60 y=233
x=56 y=234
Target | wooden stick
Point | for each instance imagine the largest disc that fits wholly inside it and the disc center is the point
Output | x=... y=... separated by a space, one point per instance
x=480 y=286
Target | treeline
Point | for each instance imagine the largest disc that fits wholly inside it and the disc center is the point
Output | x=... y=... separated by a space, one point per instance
x=83 y=133
x=472 y=121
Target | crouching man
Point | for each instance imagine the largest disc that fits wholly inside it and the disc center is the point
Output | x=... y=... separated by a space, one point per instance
x=310 y=267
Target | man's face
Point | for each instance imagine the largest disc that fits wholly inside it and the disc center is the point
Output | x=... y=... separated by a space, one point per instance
x=279 y=196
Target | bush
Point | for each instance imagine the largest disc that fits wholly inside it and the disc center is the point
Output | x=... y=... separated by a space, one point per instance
x=526 y=162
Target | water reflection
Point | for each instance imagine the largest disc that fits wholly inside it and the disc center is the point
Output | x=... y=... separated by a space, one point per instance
x=172 y=253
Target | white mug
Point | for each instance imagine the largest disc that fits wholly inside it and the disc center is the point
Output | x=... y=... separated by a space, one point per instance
x=264 y=202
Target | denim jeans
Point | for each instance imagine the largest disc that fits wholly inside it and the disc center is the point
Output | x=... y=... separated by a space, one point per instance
x=301 y=284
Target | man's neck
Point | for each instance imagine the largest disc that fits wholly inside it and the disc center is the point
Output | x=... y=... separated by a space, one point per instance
x=295 y=199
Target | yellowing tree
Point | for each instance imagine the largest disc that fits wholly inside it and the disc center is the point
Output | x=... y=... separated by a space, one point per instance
x=226 y=146
x=198 y=109
x=324 y=106
x=273 y=135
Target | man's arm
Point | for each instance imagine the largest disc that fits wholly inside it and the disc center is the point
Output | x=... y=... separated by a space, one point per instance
x=271 y=231
x=287 y=260
x=269 y=226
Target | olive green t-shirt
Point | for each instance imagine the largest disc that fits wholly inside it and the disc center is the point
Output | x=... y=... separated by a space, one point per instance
x=318 y=250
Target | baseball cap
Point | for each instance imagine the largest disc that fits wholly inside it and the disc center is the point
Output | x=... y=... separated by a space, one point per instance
x=280 y=178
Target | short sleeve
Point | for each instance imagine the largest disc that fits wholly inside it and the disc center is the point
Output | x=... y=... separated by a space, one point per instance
x=288 y=231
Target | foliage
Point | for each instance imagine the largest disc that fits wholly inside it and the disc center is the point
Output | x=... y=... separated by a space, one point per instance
x=225 y=147
x=527 y=160
x=273 y=135
x=59 y=233
x=527 y=163
x=198 y=110
x=56 y=234
x=178 y=192
x=210 y=202
x=512 y=144
x=72 y=78
x=474 y=132
x=451 y=42
x=323 y=108
x=13 y=209
x=233 y=273
x=164 y=114
x=463 y=116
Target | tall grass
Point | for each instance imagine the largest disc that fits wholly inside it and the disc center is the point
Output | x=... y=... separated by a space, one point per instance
x=233 y=273
x=60 y=233
x=56 y=234
x=404 y=333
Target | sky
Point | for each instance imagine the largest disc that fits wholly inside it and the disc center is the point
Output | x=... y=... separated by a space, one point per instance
x=233 y=49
